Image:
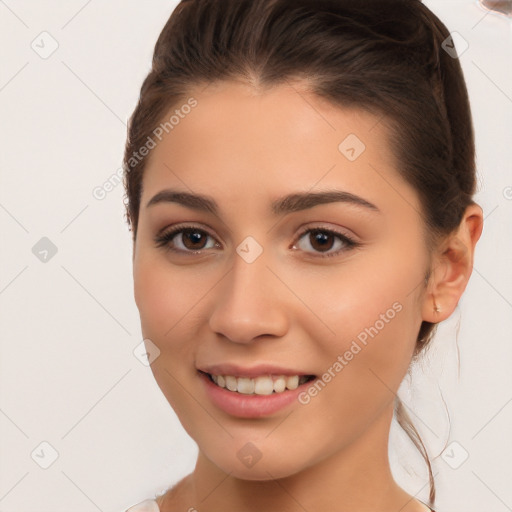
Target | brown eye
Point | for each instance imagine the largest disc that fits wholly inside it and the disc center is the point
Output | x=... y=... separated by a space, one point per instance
x=186 y=239
x=322 y=241
x=193 y=239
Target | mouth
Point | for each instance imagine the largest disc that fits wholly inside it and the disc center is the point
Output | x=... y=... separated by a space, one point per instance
x=259 y=385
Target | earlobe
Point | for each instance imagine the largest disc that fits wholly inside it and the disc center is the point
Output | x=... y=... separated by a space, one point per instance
x=452 y=267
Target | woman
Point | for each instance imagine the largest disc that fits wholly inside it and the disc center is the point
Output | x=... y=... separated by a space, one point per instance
x=299 y=178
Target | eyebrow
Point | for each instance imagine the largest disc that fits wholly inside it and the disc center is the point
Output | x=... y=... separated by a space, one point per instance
x=287 y=204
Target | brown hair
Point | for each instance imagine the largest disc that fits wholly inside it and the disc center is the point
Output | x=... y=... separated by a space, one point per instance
x=383 y=56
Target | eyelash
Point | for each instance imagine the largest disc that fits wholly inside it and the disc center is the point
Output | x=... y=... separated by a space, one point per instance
x=165 y=239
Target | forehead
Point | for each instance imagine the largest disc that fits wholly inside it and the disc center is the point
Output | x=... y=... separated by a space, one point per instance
x=246 y=145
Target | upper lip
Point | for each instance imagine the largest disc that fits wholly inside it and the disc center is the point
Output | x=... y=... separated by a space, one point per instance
x=254 y=371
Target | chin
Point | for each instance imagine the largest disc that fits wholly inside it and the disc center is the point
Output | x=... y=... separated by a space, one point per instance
x=266 y=464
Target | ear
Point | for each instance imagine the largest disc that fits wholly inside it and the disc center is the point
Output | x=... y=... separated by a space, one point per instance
x=452 y=266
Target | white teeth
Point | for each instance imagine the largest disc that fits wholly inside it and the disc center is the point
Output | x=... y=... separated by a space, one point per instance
x=231 y=383
x=280 y=384
x=292 y=382
x=263 y=385
x=245 y=385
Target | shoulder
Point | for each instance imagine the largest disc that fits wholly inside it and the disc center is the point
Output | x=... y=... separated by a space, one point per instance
x=176 y=497
x=170 y=500
x=426 y=508
x=145 y=506
x=419 y=506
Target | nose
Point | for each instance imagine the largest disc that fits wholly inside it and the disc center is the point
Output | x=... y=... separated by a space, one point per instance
x=250 y=303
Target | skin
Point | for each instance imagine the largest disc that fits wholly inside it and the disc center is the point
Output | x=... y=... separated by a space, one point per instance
x=246 y=147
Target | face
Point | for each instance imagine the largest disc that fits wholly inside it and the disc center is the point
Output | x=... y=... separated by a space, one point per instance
x=251 y=284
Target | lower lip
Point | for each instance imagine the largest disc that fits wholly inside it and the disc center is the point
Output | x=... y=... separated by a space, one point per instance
x=250 y=406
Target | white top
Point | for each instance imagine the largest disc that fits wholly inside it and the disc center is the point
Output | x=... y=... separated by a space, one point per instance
x=152 y=506
x=145 y=506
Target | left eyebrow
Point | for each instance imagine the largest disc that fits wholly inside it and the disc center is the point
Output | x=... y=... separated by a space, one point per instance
x=303 y=201
x=287 y=204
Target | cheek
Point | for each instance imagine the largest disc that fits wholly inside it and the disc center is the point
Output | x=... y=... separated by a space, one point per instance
x=364 y=365
x=166 y=307
x=152 y=292
x=374 y=315
x=163 y=295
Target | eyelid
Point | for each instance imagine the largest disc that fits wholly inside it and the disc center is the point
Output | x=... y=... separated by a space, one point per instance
x=327 y=229
x=348 y=240
x=163 y=238
x=165 y=235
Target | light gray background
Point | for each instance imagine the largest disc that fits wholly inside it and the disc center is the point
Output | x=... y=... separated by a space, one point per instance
x=69 y=325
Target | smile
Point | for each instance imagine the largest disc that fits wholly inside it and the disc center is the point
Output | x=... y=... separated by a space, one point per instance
x=261 y=385
x=254 y=397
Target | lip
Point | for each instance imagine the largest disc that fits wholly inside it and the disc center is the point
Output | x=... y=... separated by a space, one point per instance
x=252 y=372
x=250 y=406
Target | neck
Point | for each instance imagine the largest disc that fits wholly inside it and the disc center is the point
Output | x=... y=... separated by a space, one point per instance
x=356 y=478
